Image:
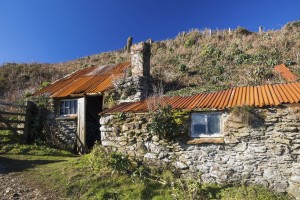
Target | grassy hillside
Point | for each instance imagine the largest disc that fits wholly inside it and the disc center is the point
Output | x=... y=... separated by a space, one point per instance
x=192 y=62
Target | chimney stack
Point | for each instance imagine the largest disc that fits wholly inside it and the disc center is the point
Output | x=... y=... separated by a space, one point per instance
x=140 y=59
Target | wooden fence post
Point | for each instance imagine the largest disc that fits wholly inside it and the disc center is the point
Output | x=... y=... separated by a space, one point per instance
x=28 y=118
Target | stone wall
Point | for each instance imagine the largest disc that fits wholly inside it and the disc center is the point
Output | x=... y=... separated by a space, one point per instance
x=267 y=153
x=66 y=130
x=60 y=130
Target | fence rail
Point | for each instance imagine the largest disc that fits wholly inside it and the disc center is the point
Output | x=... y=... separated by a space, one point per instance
x=12 y=113
x=17 y=118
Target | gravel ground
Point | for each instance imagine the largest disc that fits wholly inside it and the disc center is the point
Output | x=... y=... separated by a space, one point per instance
x=14 y=186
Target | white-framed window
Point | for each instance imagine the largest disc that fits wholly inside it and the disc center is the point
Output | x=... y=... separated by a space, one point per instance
x=206 y=124
x=68 y=107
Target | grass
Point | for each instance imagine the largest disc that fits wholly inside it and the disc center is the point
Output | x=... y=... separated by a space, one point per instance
x=99 y=175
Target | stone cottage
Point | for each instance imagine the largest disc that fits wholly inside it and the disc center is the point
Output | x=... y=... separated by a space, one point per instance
x=77 y=98
x=244 y=134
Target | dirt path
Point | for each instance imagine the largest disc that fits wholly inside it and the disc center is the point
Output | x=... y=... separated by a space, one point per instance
x=14 y=186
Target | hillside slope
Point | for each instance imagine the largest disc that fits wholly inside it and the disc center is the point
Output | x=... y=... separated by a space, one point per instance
x=192 y=62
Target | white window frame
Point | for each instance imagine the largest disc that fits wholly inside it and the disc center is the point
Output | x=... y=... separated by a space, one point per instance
x=205 y=114
x=68 y=107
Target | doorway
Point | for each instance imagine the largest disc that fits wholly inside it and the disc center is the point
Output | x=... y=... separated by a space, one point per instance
x=93 y=108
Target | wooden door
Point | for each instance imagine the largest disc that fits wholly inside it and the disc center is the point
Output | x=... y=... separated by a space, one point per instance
x=81 y=125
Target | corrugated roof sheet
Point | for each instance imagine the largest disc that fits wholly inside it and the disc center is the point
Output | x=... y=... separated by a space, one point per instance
x=85 y=81
x=258 y=96
x=285 y=73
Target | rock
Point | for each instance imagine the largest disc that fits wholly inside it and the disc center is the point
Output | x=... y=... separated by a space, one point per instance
x=296 y=141
x=296 y=152
x=282 y=141
x=180 y=165
x=294 y=190
x=280 y=186
x=295 y=179
x=270 y=173
x=241 y=147
x=261 y=149
x=155 y=138
x=150 y=156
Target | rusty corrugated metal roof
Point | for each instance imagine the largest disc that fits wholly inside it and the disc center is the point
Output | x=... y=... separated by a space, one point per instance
x=258 y=96
x=90 y=80
x=285 y=73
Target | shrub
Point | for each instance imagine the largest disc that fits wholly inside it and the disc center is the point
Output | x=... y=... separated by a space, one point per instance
x=242 y=31
x=119 y=163
x=183 y=68
x=167 y=122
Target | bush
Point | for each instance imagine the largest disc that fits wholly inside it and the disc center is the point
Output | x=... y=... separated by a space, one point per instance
x=119 y=163
x=167 y=122
x=183 y=68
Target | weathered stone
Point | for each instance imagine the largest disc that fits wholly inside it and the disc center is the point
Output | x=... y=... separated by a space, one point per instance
x=155 y=138
x=280 y=187
x=296 y=152
x=282 y=141
x=241 y=147
x=294 y=190
x=150 y=156
x=261 y=149
x=295 y=179
x=296 y=141
x=180 y=165
x=271 y=173
x=287 y=129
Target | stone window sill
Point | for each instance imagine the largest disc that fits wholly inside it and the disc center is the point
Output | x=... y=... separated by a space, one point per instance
x=206 y=140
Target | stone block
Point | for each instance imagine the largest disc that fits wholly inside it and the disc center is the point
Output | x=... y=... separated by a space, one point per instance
x=282 y=141
x=180 y=165
x=150 y=156
x=294 y=190
x=296 y=152
x=271 y=173
x=241 y=147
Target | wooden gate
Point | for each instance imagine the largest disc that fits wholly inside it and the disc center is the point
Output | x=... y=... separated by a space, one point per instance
x=17 y=118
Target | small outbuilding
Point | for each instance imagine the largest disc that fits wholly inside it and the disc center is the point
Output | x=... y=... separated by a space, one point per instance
x=245 y=134
x=78 y=97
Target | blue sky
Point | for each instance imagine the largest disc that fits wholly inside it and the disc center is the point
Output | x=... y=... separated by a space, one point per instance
x=61 y=30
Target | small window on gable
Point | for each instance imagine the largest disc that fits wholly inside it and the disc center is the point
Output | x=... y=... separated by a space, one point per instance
x=68 y=107
x=206 y=124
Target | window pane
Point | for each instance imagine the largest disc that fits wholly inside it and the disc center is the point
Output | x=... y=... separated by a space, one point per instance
x=205 y=124
x=199 y=128
x=71 y=107
x=75 y=106
x=198 y=123
x=67 y=104
x=213 y=123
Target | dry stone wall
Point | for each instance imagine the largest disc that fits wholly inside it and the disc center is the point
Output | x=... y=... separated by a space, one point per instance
x=268 y=154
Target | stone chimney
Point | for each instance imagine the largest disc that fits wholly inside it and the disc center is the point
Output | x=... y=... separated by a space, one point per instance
x=140 y=69
x=140 y=59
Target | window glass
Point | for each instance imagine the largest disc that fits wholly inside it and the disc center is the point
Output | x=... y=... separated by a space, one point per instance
x=213 y=124
x=68 y=107
x=206 y=124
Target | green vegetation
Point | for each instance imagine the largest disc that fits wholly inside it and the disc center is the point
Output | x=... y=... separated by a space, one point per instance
x=167 y=122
